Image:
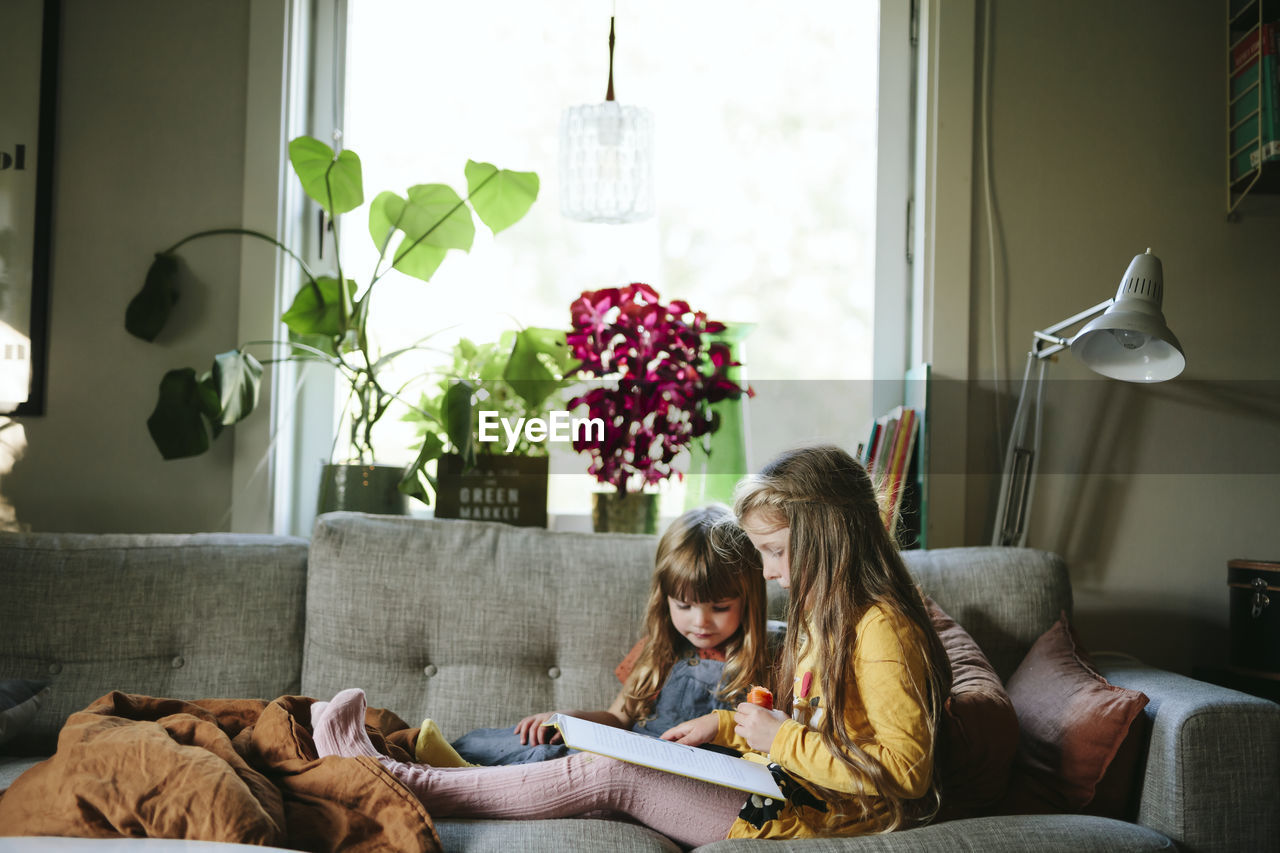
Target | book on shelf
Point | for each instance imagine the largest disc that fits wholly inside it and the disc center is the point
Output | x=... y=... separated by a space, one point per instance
x=867 y=449
x=895 y=479
x=667 y=756
x=889 y=454
x=1254 y=101
x=887 y=428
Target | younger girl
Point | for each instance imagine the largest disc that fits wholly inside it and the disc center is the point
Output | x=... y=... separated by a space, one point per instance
x=704 y=645
x=864 y=676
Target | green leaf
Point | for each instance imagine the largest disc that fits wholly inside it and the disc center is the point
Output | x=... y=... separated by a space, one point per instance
x=528 y=374
x=501 y=197
x=416 y=254
x=149 y=309
x=324 y=343
x=210 y=406
x=384 y=212
x=335 y=183
x=411 y=483
x=237 y=376
x=177 y=424
x=551 y=343
x=455 y=413
x=433 y=216
x=437 y=214
x=315 y=309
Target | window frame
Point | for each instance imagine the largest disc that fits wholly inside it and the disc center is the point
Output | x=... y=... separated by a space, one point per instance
x=295 y=66
x=941 y=277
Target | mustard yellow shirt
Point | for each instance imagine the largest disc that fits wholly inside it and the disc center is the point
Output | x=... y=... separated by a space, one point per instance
x=887 y=716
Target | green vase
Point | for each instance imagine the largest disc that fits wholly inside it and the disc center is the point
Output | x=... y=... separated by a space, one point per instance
x=717 y=462
x=629 y=512
x=362 y=488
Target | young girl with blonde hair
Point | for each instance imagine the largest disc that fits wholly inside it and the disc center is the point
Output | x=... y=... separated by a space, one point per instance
x=864 y=675
x=859 y=640
x=705 y=643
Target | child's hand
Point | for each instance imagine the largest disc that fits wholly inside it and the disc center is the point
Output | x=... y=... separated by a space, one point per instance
x=694 y=732
x=757 y=726
x=532 y=731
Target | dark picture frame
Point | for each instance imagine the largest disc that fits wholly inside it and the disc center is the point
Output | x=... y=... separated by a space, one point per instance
x=26 y=189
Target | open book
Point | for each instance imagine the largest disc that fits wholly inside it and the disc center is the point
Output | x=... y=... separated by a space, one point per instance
x=714 y=767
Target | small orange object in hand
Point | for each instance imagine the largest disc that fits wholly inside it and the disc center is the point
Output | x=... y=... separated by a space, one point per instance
x=761 y=696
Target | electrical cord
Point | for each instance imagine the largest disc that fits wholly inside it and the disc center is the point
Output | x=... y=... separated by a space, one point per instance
x=989 y=210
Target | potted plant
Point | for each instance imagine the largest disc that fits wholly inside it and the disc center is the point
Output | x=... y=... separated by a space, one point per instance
x=662 y=372
x=328 y=320
x=519 y=377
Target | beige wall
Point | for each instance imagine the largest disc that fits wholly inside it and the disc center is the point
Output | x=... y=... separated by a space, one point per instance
x=150 y=142
x=1107 y=139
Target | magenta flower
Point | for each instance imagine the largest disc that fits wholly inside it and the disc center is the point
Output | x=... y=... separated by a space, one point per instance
x=662 y=374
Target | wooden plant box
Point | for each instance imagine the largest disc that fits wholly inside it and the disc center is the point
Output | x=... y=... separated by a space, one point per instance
x=507 y=488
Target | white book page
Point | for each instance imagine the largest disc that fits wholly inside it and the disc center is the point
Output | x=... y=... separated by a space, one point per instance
x=714 y=767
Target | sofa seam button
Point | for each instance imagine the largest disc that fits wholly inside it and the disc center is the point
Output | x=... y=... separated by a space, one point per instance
x=553 y=672
x=429 y=670
x=177 y=662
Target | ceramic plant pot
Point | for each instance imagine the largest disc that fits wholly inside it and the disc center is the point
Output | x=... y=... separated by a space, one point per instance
x=362 y=488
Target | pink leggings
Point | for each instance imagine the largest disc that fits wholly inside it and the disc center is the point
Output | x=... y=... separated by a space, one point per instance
x=688 y=811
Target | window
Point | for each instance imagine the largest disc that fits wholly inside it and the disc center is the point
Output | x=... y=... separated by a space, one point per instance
x=767 y=137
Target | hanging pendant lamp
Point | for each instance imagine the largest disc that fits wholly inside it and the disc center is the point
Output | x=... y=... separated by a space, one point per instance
x=606 y=159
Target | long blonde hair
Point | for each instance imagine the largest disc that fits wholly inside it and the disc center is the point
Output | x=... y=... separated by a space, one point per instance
x=842 y=561
x=702 y=557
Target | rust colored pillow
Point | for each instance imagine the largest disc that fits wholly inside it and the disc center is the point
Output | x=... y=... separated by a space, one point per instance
x=1077 y=728
x=979 y=728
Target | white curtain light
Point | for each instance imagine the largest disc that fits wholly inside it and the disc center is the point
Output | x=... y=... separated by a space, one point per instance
x=606 y=159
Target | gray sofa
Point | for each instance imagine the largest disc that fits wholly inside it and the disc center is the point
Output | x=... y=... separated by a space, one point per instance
x=477 y=623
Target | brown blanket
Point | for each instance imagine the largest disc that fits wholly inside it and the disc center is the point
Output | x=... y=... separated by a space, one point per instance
x=240 y=770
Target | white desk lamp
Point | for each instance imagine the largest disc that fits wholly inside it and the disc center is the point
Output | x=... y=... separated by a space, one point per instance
x=1129 y=341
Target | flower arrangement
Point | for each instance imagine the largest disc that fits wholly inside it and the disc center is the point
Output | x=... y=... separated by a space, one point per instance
x=666 y=372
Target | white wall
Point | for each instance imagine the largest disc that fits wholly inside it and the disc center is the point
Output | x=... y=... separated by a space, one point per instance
x=1107 y=139
x=150 y=142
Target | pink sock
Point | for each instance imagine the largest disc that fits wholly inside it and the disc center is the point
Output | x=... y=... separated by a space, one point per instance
x=690 y=812
x=338 y=726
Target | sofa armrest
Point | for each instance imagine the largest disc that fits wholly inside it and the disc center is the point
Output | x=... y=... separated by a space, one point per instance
x=1212 y=776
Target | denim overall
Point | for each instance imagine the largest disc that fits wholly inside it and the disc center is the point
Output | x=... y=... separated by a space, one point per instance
x=689 y=692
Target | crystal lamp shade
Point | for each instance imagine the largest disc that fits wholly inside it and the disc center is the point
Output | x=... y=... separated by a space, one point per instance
x=606 y=163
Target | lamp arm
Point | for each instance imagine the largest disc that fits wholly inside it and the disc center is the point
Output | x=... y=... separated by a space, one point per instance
x=1017 y=484
x=1047 y=341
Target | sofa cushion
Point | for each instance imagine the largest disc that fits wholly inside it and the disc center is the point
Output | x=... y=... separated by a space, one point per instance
x=570 y=835
x=1004 y=597
x=11 y=767
x=471 y=623
x=189 y=616
x=979 y=728
x=1004 y=834
x=19 y=701
x=1073 y=723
